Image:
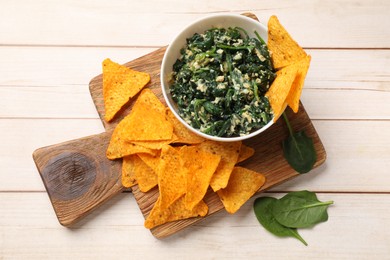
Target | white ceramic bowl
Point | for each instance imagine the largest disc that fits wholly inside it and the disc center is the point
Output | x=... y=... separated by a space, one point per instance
x=173 y=53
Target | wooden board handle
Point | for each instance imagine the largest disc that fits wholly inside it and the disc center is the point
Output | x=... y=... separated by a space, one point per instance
x=77 y=175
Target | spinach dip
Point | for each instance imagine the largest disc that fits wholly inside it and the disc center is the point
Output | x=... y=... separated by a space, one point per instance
x=219 y=82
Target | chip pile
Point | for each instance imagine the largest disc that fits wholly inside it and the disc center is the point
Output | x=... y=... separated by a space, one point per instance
x=291 y=63
x=157 y=150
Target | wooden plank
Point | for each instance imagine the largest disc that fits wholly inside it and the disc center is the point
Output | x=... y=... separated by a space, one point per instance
x=116 y=230
x=74 y=102
x=47 y=102
x=358 y=155
x=351 y=159
x=58 y=66
x=347 y=104
x=360 y=24
x=349 y=67
x=20 y=137
x=69 y=66
x=330 y=79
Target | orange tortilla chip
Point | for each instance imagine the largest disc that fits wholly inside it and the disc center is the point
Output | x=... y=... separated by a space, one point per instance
x=171 y=176
x=280 y=88
x=146 y=177
x=152 y=161
x=156 y=145
x=128 y=172
x=184 y=135
x=176 y=211
x=201 y=166
x=242 y=185
x=296 y=89
x=118 y=147
x=229 y=152
x=150 y=100
x=284 y=49
x=146 y=121
x=120 y=84
x=245 y=153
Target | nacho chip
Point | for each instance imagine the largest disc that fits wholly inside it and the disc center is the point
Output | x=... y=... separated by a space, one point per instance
x=156 y=145
x=242 y=185
x=245 y=153
x=152 y=161
x=284 y=49
x=184 y=135
x=171 y=176
x=176 y=211
x=128 y=172
x=120 y=84
x=146 y=177
x=296 y=89
x=118 y=147
x=277 y=93
x=146 y=121
x=229 y=152
x=201 y=166
x=150 y=100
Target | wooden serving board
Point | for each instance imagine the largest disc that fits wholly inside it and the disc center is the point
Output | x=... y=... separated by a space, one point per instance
x=99 y=179
x=268 y=158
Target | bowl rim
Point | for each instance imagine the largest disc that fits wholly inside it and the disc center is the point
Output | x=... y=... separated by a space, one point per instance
x=166 y=95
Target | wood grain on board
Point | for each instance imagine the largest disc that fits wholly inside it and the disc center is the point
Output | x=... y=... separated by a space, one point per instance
x=79 y=177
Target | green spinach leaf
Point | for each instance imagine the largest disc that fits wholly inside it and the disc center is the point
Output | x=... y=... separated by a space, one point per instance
x=263 y=211
x=300 y=209
x=299 y=150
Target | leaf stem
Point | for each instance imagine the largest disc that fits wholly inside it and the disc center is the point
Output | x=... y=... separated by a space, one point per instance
x=296 y=235
x=288 y=124
x=292 y=135
x=259 y=37
x=318 y=204
x=244 y=47
x=328 y=202
x=313 y=205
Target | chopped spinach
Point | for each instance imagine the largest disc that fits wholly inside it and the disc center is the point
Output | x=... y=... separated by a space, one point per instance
x=219 y=82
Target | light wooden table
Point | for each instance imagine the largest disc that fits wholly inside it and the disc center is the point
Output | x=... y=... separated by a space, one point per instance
x=49 y=50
